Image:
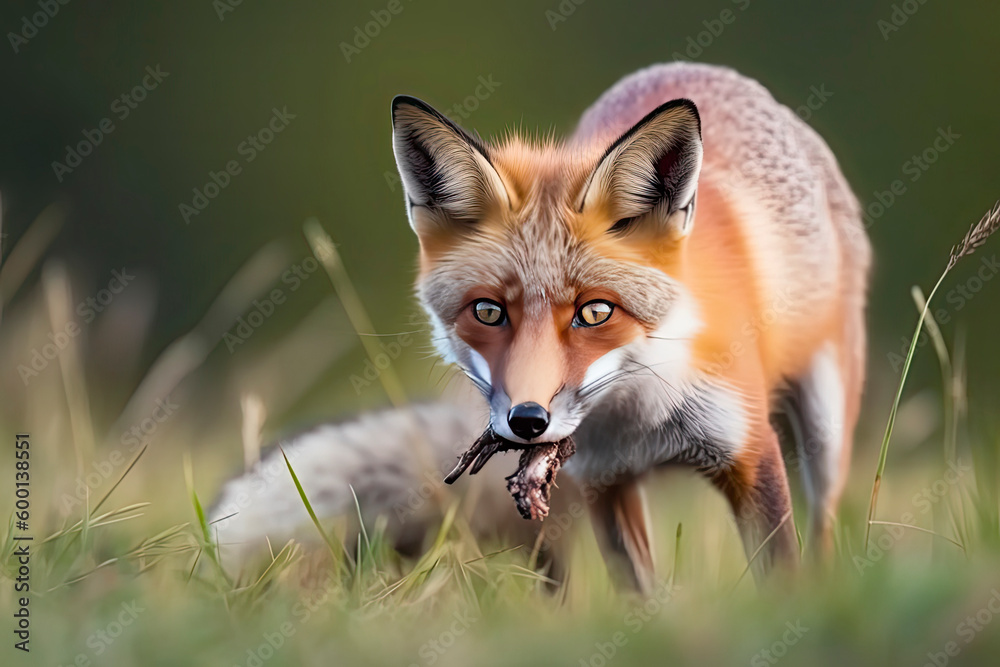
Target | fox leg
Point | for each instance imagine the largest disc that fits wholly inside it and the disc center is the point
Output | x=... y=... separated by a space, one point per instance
x=621 y=524
x=757 y=488
x=827 y=401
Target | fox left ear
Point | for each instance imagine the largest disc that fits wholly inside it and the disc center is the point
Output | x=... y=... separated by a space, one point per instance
x=446 y=172
x=651 y=170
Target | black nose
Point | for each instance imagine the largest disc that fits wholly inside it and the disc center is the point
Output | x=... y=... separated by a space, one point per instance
x=528 y=420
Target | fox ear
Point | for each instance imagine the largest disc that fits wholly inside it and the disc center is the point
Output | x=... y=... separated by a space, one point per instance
x=443 y=168
x=651 y=170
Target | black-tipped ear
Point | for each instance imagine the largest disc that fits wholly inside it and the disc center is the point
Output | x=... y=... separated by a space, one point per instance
x=651 y=170
x=442 y=167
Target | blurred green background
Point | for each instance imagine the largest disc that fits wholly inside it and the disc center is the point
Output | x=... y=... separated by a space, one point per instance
x=890 y=91
x=228 y=66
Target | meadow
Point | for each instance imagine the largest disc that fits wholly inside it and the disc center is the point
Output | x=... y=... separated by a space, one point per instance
x=124 y=569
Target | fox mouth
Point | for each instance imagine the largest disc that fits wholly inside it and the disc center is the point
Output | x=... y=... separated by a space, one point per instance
x=531 y=484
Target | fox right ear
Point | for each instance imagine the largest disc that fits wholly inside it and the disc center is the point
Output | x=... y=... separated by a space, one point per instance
x=651 y=172
x=444 y=169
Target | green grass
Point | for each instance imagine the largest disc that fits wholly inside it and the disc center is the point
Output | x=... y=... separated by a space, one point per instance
x=135 y=578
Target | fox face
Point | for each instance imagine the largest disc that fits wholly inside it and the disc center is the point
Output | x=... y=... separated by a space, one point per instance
x=549 y=270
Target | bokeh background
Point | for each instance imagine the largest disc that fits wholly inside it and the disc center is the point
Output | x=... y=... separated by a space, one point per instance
x=890 y=91
x=886 y=79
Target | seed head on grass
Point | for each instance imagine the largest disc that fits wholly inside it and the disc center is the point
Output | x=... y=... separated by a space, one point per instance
x=976 y=236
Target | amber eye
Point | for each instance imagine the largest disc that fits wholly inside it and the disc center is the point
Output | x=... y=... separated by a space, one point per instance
x=593 y=313
x=489 y=312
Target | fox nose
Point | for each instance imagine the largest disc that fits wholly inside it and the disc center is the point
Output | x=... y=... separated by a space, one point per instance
x=528 y=420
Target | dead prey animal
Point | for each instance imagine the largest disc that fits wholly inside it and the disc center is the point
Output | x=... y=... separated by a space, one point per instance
x=532 y=482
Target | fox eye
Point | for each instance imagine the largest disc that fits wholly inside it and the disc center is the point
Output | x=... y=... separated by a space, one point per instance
x=593 y=313
x=489 y=312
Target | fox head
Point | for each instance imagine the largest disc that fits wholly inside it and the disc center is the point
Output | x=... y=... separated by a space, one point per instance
x=548 y=269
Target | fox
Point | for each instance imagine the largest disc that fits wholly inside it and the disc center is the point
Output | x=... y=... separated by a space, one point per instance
x=689 y=265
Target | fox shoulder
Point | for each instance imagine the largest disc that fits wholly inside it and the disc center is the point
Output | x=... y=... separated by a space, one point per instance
x=769 y=165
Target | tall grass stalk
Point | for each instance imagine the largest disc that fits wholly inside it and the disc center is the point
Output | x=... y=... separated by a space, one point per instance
x=974 y=238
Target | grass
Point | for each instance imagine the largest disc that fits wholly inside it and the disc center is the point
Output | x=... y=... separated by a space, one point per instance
x=126 y=571
x=974 y=238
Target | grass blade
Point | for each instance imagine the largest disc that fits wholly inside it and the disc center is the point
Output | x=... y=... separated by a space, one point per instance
x=334 y=551
x=975 y=237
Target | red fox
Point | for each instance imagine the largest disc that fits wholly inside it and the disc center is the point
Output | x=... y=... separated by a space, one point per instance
x=654 y=287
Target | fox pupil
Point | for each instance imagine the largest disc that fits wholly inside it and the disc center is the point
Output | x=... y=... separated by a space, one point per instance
x=489 y=312
x=621 y=225
x=594 y=313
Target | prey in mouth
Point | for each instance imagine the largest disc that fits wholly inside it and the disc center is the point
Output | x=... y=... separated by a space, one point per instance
x=531 y=484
